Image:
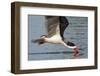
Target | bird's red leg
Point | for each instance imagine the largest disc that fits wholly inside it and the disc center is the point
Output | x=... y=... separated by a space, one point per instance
x=75 y=51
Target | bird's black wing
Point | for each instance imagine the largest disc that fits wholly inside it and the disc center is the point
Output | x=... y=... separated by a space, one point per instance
x=63 y=24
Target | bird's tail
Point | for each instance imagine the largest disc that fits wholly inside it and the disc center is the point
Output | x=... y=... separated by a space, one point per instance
x=39 y=41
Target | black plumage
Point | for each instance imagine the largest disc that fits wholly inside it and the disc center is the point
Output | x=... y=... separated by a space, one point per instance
x=70 y=43
x=63 y=25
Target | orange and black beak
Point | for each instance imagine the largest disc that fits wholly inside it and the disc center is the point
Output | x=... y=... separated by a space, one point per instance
x=76 y=51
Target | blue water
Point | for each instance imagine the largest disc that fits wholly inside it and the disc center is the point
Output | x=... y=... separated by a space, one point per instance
x=76 y=32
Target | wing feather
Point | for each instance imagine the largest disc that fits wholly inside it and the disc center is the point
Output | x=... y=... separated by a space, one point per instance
x=52 y=25
x=63 y=25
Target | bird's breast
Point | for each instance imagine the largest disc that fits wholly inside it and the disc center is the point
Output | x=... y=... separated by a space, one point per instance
x=54 y=39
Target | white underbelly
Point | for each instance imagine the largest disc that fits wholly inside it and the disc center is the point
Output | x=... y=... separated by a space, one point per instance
x=54 y=39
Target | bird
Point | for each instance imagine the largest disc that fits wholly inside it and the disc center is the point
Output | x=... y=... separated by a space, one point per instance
x=55 y=26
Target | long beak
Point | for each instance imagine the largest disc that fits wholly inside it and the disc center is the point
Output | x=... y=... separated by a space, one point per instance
x=76 y=51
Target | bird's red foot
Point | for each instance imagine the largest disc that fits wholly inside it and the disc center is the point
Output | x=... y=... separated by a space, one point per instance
x=75 y=51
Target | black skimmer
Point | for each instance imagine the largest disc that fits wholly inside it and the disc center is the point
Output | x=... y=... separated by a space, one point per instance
x=56 y=26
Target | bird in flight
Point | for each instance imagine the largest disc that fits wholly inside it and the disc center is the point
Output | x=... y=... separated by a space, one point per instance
x=56 y=26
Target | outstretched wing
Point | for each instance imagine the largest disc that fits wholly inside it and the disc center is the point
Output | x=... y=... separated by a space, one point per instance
x=63 y=25
x=52 y=25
